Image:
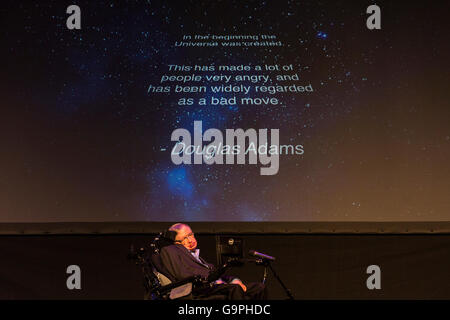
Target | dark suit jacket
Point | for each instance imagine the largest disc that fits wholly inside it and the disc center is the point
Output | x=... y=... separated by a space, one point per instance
x=181 y=264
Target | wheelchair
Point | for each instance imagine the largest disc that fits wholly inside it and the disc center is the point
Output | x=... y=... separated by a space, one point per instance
x=159 y=284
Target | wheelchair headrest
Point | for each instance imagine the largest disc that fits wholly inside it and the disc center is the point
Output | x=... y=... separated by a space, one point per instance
x=169 y=235
x=165 y=238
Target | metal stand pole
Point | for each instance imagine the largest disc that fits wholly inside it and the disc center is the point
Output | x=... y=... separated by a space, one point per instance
x=288 y=292
x=266 y=274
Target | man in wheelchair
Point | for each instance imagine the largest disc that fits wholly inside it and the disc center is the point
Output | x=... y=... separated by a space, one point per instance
x=181 y=261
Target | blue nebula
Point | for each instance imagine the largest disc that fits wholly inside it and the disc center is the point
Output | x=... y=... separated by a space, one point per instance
x=179 y=183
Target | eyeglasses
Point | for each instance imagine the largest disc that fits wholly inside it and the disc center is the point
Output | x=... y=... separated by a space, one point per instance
x=190 y=235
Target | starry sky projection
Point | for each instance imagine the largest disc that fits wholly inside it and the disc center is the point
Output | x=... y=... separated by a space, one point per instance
x=83 y=140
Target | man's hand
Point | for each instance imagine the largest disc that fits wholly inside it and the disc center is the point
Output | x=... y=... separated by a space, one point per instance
x=239 y=282
x=219 y=281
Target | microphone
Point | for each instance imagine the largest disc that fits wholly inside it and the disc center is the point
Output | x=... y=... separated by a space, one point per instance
x=261 y=255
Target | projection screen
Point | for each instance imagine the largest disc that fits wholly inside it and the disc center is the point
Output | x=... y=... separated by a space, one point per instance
x=268 y=111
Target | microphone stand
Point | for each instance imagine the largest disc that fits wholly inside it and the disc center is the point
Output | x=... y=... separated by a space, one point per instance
x=268 y=266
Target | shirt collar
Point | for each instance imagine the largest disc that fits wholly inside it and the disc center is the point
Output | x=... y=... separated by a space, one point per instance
x=196 y=253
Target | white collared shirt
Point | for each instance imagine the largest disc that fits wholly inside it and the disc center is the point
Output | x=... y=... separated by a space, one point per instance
x=196 y=254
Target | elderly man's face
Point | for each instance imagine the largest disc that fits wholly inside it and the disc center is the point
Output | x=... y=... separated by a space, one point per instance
x=186 y=237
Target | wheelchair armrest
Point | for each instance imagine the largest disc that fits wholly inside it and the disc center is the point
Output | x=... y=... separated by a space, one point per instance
x=167 y=288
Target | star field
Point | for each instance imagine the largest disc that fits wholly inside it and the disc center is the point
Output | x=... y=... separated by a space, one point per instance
x=88 y=142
